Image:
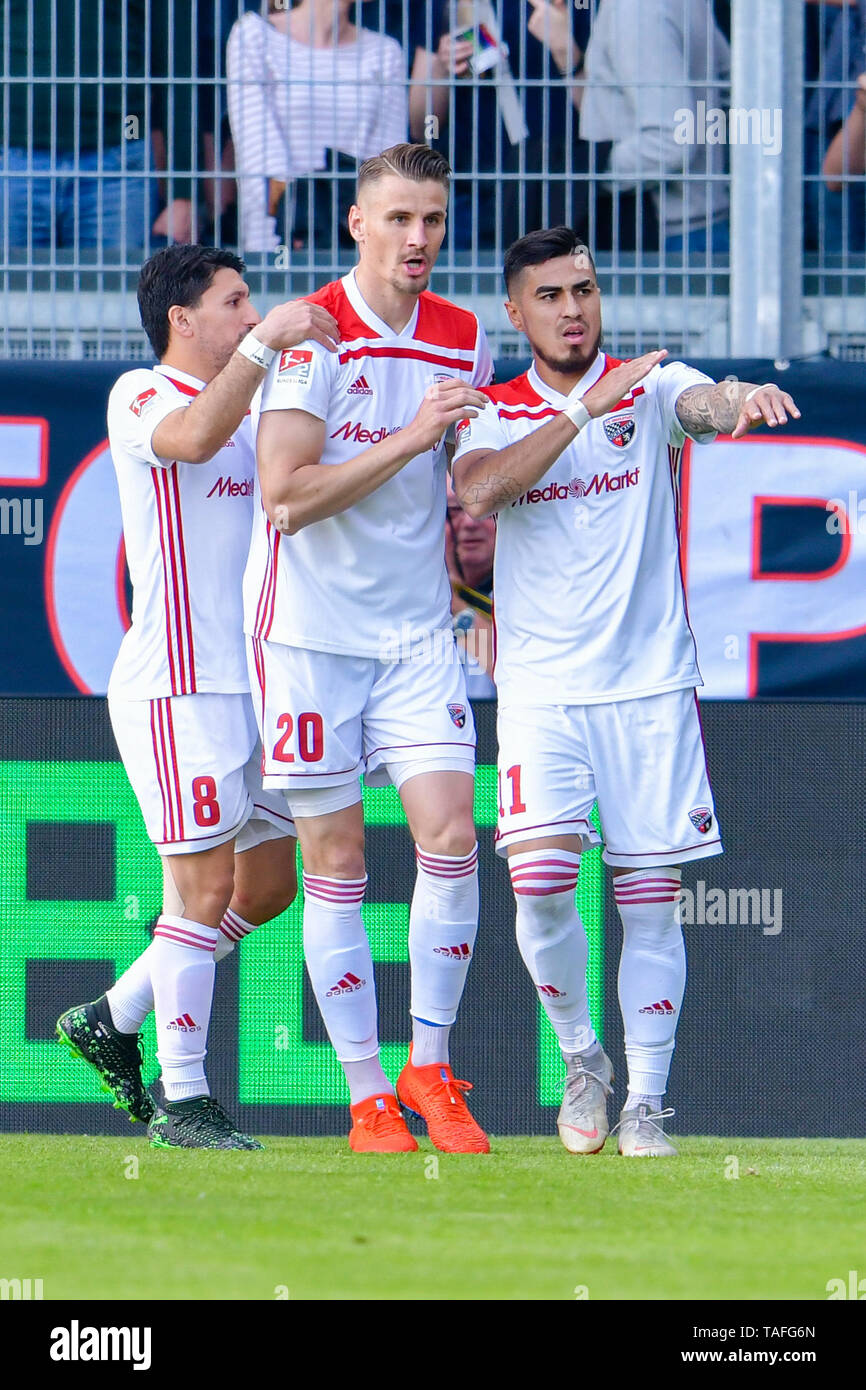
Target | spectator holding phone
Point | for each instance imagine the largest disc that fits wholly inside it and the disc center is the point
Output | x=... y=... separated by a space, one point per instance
x=512 y=110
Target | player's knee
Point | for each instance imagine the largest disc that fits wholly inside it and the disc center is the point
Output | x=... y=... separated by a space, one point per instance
x=453 y=838
x=208 y=902
x=544 y=915
x=341 y=857
x=264 y=903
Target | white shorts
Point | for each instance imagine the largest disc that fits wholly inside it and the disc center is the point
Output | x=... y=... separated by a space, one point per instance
x=324 y=718
x=643 y=760
x=194 y=762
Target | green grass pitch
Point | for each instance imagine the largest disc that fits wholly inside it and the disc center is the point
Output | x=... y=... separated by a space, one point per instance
x=99 y=1218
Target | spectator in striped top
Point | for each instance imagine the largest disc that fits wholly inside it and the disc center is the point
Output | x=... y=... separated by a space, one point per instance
x=310 y=95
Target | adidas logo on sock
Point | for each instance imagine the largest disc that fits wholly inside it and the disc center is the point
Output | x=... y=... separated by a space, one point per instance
x=552 y=992
x=184 y=1024
x=347 y=985
x=665 y=1007
x=461 y=952
x=359 y=387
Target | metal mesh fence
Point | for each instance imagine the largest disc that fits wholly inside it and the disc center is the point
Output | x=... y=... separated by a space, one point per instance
x=712 y=153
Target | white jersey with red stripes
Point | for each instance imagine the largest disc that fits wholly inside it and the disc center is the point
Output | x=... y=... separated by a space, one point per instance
x=186 y=528
x=588 y=593
x=372 y=580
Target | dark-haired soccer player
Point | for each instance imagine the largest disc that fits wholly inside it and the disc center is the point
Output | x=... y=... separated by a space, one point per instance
x=596 y=666
x=348 y=609
x=179 y=693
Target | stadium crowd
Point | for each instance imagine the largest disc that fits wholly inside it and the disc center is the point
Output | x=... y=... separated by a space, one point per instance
x=129 y=125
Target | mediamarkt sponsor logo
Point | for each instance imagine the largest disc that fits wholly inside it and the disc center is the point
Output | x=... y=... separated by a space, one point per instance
x=227 y=486
x=354 y=431
x=577 y=487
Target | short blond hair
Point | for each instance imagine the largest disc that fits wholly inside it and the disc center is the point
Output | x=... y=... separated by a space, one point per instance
x=419 y=163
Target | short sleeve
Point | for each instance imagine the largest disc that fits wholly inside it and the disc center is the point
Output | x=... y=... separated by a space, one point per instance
x=482 y=374
x=300 y=378
x=484 y=432
x=139 y=402
x=672 y=381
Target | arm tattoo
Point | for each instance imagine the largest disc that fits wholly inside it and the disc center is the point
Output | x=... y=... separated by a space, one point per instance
x=494 y=492
x=702 y=409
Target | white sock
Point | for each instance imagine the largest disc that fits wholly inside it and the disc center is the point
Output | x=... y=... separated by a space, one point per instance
x=183 y=976
x=130 y=998
x=552 y=941
x=430 y=1043
x=443 y=925
x=233 y=928
x=340 y=967
x=652 y=973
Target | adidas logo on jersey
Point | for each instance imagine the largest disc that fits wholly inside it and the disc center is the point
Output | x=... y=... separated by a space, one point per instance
x=661 y=1009
x=184 y=1024
x=461 y=952
x=360 y=387
x=227 y=487
x=347 y=985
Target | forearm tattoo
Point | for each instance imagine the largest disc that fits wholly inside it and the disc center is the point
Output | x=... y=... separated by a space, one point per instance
x=495 y=491
x=702 y=409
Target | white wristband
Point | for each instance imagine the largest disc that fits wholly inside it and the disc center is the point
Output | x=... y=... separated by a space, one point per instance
x=577 y=413
x=256 y=351
x=768 y=386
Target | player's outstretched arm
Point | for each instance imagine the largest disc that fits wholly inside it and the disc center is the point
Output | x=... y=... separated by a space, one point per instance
x=197 y=432
x=297 y=490
x=733 y=407
x=487 y=480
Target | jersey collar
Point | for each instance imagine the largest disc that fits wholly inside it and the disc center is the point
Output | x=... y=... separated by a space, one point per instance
x=365 y=313
x=593 y=373
x=175 y=374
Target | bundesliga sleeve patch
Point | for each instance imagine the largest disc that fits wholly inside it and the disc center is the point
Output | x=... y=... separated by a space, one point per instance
x=295 y=365
x=464 y=432
x=143 y=400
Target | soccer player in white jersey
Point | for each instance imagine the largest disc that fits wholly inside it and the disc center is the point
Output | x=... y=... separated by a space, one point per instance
x=347 y=605
x=596 y=667
x=179 y=692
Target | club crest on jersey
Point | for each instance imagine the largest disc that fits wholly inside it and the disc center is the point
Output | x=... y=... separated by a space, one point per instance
x=620 y=430
x=701 y=818
x=140 y=403
x=296 y=364
x=458 y=715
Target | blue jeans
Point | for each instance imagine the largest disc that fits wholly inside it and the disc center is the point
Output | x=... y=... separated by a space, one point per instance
x=696 y=242
x=55 y=201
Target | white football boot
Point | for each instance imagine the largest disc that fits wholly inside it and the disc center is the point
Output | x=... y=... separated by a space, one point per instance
x=641 y=1134
x=582 y=1120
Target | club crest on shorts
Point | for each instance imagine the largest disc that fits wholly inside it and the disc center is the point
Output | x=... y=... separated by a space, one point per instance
x=701 y=818
x=620 y=430
x=458 y=715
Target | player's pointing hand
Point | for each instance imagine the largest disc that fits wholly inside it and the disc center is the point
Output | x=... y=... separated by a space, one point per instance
x=298 y=321
x=766 y=405
x=444 y=403
x=610 y=390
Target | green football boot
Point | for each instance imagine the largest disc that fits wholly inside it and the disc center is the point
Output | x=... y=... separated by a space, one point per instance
x=115 y=1057
x=200 y=1123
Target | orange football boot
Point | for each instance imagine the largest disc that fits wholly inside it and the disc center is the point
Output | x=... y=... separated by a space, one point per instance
x=378 y=1127
x=433 y=1094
